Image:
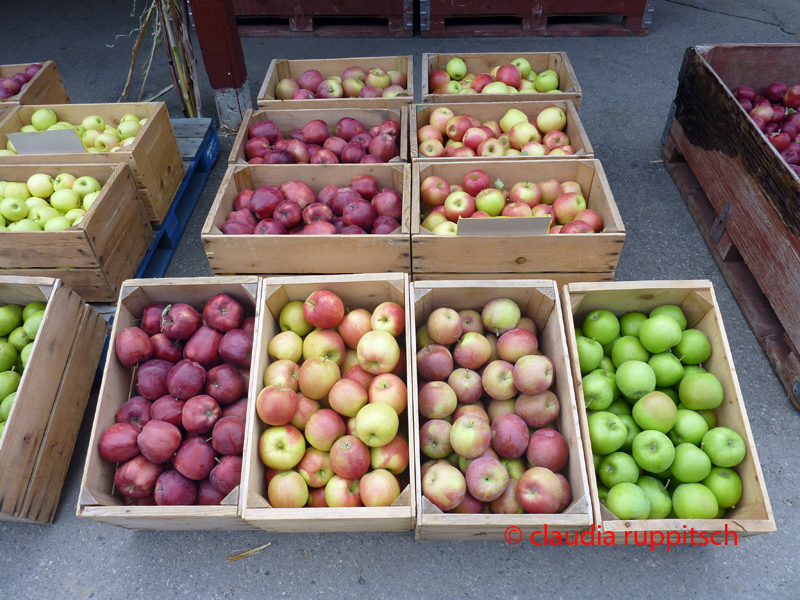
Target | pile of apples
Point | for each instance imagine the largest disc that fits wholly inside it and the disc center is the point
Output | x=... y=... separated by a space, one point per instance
x=294 y=208
x=44 y=203
x=97 y=134
x=483 y=385
x=180 y=440
x=658 y=452
x=514 y=135
x=18 y=329
x=775 y=113
x=475 y=198
x=354 y=83
x=314 y=144
x=11 y=86
x=503 y=79
x=333 y=399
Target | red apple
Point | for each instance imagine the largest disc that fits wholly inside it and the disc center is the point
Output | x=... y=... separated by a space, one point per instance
x=133 y=346
x=547 y=448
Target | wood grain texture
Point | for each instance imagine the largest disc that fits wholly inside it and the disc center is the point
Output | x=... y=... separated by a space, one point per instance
x=46 y=87
x=215 y=25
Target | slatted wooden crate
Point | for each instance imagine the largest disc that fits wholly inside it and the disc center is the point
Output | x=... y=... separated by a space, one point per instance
x=46 y=87
x=41 y=430
x=753 y=514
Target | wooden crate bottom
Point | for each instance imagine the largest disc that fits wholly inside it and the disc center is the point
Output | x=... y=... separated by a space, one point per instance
x=780 y=350
x=332 y=26
x=560 y=278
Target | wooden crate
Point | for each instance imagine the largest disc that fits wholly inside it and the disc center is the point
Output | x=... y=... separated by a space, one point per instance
x=484 y=63
x=742 y=175
x=95 y=256
x=545 y=255
x=281 y=68
x=315 y=18
x=41 y=430
x=559 y=278
x=286 y=120
x=97 y=500
x=356 y=291
x=46 y=87
x=753 y=515
x=538 y=300
x=154 y=158
x=303 y=254
x=494 y=111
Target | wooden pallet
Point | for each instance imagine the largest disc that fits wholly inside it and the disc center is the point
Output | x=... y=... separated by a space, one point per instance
x=315 y=18
x=766 y=326
x=549 y=18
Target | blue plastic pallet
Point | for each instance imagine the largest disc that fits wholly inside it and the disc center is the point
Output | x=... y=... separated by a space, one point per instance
x=199 y=146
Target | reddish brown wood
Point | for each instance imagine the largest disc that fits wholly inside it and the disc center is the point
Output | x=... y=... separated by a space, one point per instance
x=218 y=35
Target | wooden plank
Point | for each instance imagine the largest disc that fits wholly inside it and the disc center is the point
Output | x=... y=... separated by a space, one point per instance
x=559 y=278
x=753 y=514
x=191 y=128
x=223 y=57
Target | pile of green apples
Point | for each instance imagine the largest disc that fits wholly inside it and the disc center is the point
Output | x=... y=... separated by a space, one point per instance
x=45 y=203
x=18 y=329
x=658 y=453
x=97 y=134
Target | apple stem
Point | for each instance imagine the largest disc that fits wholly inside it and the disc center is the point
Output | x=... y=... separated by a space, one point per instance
x=666 y=484
x=133 y=379
x=216 y=458
x=164 y=314
x=588 y=404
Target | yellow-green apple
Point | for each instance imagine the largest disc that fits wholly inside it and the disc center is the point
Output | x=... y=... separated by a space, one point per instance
x=490 y=201
x=451 y=87
x=40 y=185
x=276 y=405
x=434 y=190
x=566 y=492
x=398 y=78
x=473 y=137
x=472 y=351
x=437 y=400
x=498 y=380
x=378 y=352
x=431 y=149
x=475 y=410
x=281 y=447
x=551 y=119
x=567 y=206
x=106 y=142
x=341 y=492
x=494 y=128
x=537 y=410
x=349 y=457
x=129 y=129
x=324 y=343
x=93 y=122
x=444 y=485
x=440 y=118
x=522 y=133
x=291 y=318
x=516 y=209
x=547 y=448
x=515 y=467
x=423 y=339
x=90 y=137
x=330 y=88
x=434 y=438
x=509 y=436
x=393 y=456
x=500 y=315
x=562 y=151
x=354 y=325
x=317 y=376
x=555 y=139
x=433 y=220
x=568 y=187
x=305 y=408
x=378 y=77
x=390 y=389
x=315 y=468
x=525 y=192
x=547 y=81
x=390 y=317
x=85 y=185
x=283 y=372
x=42 y=214
x=32 y=202
x=533 y=149
x=539 y=491
x=486 y=478
x=514 y=344
x=511 y=118
x=377 y=424
x=495 y=87
x=352 y=87
x=429 y=132
x=65 y=200
x=526 y=85
x=287 y=490
x=89 y=199
x=57 y=224
x=323 y=428
x=544 y=210
x=434 y=362
x=592 y=218
x=466 y=384
x=456 y=68
x=287 y=345
x=470 y=436
x=533 y=374
x=323 y=309
x=347 y=396
x=490 y=147
x=379 y=488
x=350 y=360
x=512 y=152
x=444 y=325
x=75 y=215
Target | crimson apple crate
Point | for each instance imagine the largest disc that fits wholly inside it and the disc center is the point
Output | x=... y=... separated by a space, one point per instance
x=753 y=514
x=494 y=111
x=153 y=157
x=98 y=499
x=478 y=63
x=309 y=254
x=287 y=120
x=365 y=291
x=41 y=430
x=563 y=257
x=538 y=300
x=281 y=68
x=95 y=256
x=45 y=87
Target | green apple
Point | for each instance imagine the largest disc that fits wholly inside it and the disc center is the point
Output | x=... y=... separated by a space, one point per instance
x=700 y=391
x=694 y=501
x=726 y=485
x=93 y=122
x=628 y=501
x=75 y=214
x=89 y=199
x=33 y=202
x=670 y=310
x=724 y=447
x=65 y=200
x=660 y=502
x=25 y=354
x=691 y=465
x=18 y=339
x=608 y=348
x=578 y=332
x=129 y=129
x=128 y=117
x=9 y=382
x=693 y=347
x=628 y=348
x=90 y=137
x=511 y=118
x=659 y=334
x=42 y=214
x=667 y=367
x=86 y=185
x=80 y=130
x=692 y=369
x=13 y=209
x=106 y=142
x=40 y=185
x=456 y=68
x=655 y=411
x=16 y=189
x=710 y=416
x=8 y=356
x=598 y=393
x=33 y=323
x=523 y=65
x=633 y=430
x=546 y=81
x=618 y=467
x=607 y=365
x=620 y=408
x=602 y=493
x=6 y=404
x=602 y=326
x=630 y=323
x=58 y=224
x=292 y=319
x=28 y=129
x=606 y=432
x=9 y=149
x=671 y=392
x=689 y=428
x=653 y=451
x=58 y=127
x=590 y=353
x=612 y=379
x=142 y=122
x=635 y=379
x=63 y=181
x=43 y=119
x=113 y=131
x=25 y=225
x=32 y=308
x=596 y=460
x=3 y=185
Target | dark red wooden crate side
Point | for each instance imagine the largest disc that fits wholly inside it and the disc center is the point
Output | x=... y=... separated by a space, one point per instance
x=317 y=8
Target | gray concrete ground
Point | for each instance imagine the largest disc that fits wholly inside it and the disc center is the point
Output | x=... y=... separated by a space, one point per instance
x=628 y=85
